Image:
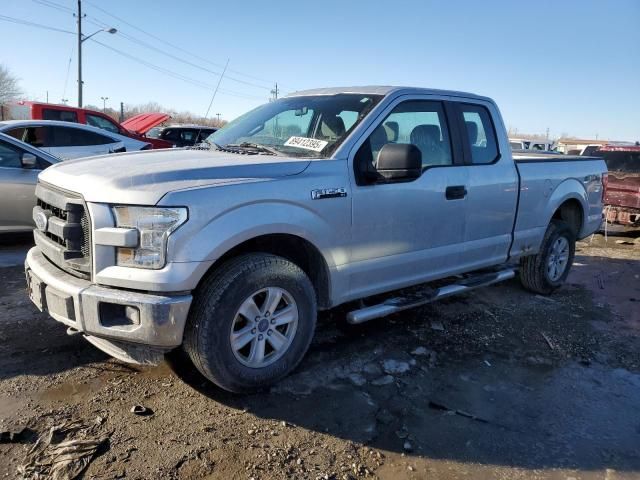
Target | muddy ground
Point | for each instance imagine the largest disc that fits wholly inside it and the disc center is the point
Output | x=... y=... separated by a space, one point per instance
x=498 y=383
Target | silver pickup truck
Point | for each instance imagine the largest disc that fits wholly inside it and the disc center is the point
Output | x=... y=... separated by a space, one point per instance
x=228 y=250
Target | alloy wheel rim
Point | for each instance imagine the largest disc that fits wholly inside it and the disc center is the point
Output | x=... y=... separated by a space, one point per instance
x=558 y=259
x=264 y=327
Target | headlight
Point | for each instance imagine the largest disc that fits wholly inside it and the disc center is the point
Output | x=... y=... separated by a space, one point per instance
x=154 y=225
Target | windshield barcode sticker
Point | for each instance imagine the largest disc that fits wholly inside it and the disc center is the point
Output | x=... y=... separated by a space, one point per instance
x=306 y=143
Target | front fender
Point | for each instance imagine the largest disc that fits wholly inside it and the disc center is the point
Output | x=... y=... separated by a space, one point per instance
x=244 y=222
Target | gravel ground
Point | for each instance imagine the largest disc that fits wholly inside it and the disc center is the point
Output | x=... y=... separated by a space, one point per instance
x=498 y=383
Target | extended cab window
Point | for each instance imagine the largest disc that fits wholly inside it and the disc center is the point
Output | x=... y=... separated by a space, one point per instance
x=417 y=122
x=481 y=134
x=103 y=123
x=62 y=115
x=74 y=137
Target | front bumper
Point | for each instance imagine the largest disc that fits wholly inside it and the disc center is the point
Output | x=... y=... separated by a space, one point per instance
x=113 y=319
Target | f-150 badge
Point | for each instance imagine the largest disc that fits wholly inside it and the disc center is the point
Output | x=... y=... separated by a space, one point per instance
x=322 y=193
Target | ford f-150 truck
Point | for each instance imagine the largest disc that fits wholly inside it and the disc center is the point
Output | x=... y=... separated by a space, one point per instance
x=228 y=250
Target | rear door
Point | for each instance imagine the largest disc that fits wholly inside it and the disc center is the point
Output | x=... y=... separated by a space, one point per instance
x=492 y=185
x=69 y=142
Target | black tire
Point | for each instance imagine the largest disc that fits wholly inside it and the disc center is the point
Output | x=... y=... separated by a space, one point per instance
x=533 y=269
x=214 y=307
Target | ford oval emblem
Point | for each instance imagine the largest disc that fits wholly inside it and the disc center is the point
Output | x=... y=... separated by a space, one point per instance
x=41 y=220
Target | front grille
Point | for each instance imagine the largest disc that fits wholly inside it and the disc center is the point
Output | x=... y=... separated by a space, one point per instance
x=66 y=240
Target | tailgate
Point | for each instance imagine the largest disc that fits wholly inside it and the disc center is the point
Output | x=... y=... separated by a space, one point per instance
x=623 y=190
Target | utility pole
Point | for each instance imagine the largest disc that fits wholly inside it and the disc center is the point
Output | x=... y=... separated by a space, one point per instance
x=218 y=115
x=79 y=53
x=104 y=104
x=81 y=39
x=275 y=92
x=121 y=112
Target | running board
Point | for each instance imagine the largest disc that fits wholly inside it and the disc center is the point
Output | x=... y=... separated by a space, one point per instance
x=398 y=304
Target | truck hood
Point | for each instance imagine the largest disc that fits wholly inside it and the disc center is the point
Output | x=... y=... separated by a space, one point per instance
x=144 y=122
x=145 y=177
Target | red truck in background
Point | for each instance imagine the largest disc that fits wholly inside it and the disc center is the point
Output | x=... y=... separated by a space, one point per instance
x=622 y=191
x=135 y=127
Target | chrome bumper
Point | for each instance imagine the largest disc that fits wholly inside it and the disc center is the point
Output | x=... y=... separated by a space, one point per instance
x=121 y=316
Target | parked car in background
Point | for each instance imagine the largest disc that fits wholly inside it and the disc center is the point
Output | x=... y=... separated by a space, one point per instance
x=186 y=135
x=622 y=197
x=135 y=127
x=20 y=165
x=308 y=202
x=524 y=144
x=67 y=140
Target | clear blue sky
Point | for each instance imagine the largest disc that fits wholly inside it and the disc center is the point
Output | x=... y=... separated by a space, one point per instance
x=570 y=66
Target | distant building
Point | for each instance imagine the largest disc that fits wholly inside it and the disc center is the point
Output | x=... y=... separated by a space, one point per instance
x=576 y=145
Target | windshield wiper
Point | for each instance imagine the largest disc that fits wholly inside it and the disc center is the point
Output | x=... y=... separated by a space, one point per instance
x=253 y=146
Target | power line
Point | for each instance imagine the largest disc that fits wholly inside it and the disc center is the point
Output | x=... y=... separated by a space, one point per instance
x=150 y=65
x=66 y=79
x=173 y=74
x=19 y=21
x=160 y=39
x=101 y=24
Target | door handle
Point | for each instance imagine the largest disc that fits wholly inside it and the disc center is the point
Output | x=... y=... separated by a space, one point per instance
x=455 y=192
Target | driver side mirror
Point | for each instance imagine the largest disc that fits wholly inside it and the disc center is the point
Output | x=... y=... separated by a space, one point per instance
x=29 y=160
x=398 y=161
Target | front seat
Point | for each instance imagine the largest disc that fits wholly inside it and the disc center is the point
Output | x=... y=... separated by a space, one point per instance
x=331 y=128
x=427 y=139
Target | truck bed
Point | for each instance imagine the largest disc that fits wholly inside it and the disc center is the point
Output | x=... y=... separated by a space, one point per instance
x=546 y=181
x=550 y=157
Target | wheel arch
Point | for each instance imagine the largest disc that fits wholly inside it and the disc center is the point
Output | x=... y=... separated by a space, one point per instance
x=568 y=203
x=295 y=249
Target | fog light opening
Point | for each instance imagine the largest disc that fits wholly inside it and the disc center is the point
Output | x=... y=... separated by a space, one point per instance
x=116 y=315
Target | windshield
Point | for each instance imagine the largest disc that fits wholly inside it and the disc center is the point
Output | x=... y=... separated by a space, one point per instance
x=311 y=126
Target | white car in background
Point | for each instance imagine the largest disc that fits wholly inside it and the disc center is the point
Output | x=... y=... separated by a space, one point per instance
x=67 y=140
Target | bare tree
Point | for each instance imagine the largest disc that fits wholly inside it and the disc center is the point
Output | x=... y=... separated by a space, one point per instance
x=9 y=89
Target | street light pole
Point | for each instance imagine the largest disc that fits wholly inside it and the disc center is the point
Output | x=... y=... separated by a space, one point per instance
x=79 y=53
x=81 y=39
x=104 y=104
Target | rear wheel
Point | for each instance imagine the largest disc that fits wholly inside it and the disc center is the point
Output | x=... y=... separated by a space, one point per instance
x=546 y=271
x=251 y=322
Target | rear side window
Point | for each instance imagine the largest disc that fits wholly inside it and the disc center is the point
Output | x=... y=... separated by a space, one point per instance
x=62 y=115
x=34 y=136
x=481 y=134
x=188 y=135
x=75 y=137
x=170 y=135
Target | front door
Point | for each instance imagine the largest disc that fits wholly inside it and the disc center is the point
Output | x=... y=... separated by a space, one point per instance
x=408 y=232
x=17 y=190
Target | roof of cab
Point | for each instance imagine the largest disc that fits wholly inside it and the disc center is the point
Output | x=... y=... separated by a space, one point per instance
x=385 y=90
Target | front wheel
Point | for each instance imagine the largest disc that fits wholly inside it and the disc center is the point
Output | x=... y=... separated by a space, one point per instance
x=548 y=269
x=251 y=322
